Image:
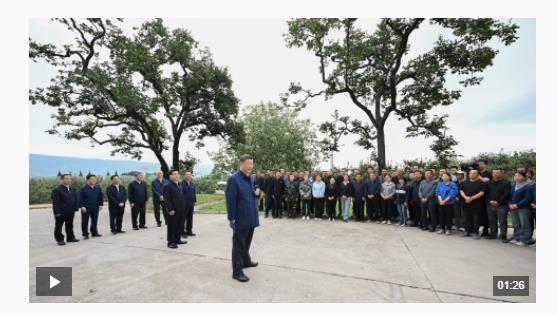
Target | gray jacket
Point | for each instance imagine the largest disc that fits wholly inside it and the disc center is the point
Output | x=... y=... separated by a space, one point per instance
x=427 y=189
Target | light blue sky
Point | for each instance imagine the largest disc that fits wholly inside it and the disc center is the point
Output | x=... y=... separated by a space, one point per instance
x=498 y=114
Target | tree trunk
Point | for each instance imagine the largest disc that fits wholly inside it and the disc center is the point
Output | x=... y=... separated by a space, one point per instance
x=176 y=154
x=381 y=160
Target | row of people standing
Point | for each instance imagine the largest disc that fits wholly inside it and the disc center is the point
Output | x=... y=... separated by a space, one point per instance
x=66 y=200
x=466 y=199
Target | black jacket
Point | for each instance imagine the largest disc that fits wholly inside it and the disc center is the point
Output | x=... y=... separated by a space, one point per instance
x=116 y=196
x=499 y=191
x=174 y=198
x=64 y=200
x=278 y=188
x=346 y=190
x=331 y=191
x=359 y=189
x=137 y=193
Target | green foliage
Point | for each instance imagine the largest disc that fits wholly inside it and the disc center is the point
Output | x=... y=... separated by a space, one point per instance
x=275 y=136
x=144 y=91
x=373 y=69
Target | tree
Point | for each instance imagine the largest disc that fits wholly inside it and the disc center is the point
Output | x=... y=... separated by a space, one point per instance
x=276 y=138
x=59 y=174
x=374 y=70
x=80 y=173
x=136 y=92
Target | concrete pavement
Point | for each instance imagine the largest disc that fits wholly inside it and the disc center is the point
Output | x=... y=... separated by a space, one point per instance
x=299 y=261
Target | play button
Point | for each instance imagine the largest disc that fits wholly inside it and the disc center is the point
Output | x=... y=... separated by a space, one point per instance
x=54 y=281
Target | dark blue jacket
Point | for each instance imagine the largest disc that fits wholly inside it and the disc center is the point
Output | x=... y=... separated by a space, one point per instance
x=189 y=193
x=446 y=190
x=359 y=190
x=64 y=200
x=116 y=196
x=90 y=198
x=522 y=197
x=402 y=194
x=173 y=197
x=241 y=201
x=157 y=188
x=373 y=188
x=137 y=193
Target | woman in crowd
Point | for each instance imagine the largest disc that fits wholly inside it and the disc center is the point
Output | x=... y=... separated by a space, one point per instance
x=520 y=205
x=446 y=193
x=318 y=192
x=401 y=199
x=346 y=193
x=387 y=198
x=305 y=195
x=291 y=196
x=331 y=194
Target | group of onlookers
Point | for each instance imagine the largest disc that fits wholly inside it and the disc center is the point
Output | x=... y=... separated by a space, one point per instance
x=177 y=208
x=468 y=198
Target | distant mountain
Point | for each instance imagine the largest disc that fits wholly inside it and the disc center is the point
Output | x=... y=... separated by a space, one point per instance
x=47 y=166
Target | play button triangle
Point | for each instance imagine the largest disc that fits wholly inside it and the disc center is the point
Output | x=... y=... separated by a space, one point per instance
x=53 y=282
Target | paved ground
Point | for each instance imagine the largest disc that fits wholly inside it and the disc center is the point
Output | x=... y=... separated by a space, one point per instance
x=299 y=261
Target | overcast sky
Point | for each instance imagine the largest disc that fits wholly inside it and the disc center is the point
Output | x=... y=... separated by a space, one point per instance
x=498 y=114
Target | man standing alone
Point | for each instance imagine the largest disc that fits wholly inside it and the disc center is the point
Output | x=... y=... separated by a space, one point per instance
x=137 y=194
x=242 y=212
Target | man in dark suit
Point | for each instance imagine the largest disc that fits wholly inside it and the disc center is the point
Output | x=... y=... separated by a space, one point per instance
x=137 y=194
x=241 y=201
x=156 y=186
x=64 y=205
x=90 y=203
x=188 y=189
x=174 y=206
x=117 y=196
x=267 y=188
x=278 y=195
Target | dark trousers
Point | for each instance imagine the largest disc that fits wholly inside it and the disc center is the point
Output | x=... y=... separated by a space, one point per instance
x=331 y=205
x=472 y=217
x=305 y=207
x=241 y=242
x=434 y=215
x=424 y=211
x=173 y=228
x=138 y=209
x=65 y=219
x=261 y=201
x=373 y=208
x=157 y=205
x=497 y=217
x=414 y=211
x=115 y=216
x=268 y=203
x=387 y=207
x=277 y=207
x=484 y=221
x=94 y=215
x=358 y=209
x=291 y=207
x=318 y=206
x=459 y=214
x=446 y=214
x=188 y=220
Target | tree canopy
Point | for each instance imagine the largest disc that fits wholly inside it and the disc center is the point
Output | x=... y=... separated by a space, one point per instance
x=143 y=91
x=374 y=70
x=276 y=137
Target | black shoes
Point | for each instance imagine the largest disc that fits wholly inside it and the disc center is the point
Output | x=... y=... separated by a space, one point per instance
x=85 y=237
x=120 y=231
x=159 y=224
x=114 y=232
x=190 y=234
x=73 y=240
x=172 y=245
x=182 y=242
x=136 y=228
x=61 y=243
x=143 y=227
x=96 y=235
x=241 y=278
x=251 y=264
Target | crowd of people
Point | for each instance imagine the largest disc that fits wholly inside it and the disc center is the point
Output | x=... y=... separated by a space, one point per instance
x=470 y=199
x=174 y=198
